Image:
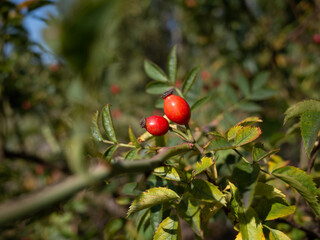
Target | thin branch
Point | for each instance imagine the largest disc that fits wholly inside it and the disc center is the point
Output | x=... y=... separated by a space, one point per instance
x=32 y=203
x=34 y=159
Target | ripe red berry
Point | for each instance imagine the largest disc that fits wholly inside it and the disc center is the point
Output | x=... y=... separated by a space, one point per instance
x=155 y=125
x=316 y=38
x=115 y=89
x=176 y=108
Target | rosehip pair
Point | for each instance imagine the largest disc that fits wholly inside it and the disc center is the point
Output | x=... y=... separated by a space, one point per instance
x=175 y=108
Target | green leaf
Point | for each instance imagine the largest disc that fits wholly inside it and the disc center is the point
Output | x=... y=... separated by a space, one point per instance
x=152 y=197
x=232 y=132
x=260 y=80
x=245 y=177
x=262 y=94
x=277 y=235
x=199 y=102
x=219 y=144
x=300 y=108
x=169 y=173
x=268 y=191
x=108 y=154
x=132 y=154
x=172 y=65
x=249 y=121
x=108 y=124
x=154 y=71
x=95 y=131
x=169 y=229
x=258 y=152
x=243 y=84
x=310 y=127
x=189 y=80
x=279 y=210
x=246 y=135
x=190 y=211
x=161 y=141
x=206 y=191
x=155 y=216
x=157 y=87
x=270 y=209
x=203 y=165
x=133 y=138
x=216 y=134
x=231 y=94
x=302 y=182
x=250 y=225
x=249 y=107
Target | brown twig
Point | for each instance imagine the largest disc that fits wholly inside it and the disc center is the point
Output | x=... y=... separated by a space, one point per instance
x=34 y=159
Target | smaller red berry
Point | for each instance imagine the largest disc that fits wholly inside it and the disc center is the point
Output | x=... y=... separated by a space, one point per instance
x=155 y=125
x=176 y=108
x=115 y=89
x=316 y=38
x=205 y=75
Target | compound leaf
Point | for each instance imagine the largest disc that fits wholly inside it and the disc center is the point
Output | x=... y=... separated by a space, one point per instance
x=108 y=124
x=154 y=71
x=95 y=131
x=246 y=135
x=108 y=154
x=206 y=191
x=199 y=102
x=189 y=80
x=157 y=87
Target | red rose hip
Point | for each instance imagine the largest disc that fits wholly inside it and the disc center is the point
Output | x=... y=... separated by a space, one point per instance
x=176 y=108
x=155 y=125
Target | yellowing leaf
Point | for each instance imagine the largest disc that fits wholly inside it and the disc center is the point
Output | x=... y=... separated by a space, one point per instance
x=203 y=165
x=250 y=225
x=277 y=235
x=169 y=229
x=246 y=135
x=232 y=132
x=168 y=172
x=152 y=197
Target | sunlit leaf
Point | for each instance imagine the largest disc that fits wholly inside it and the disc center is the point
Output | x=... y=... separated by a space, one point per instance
x=249 y=121
x=199 y=102
x=300 y=108
x=154 y=71
x=157 y=87
x=189 y=80
x=232 y=132
x=279 y=210
x=310 y=127
x=108 y=124
x=268 y=191
x=302 y=182
x=250 y=225
x=216 y=134
x=277 y=235
x=202 y=165
x=169 y=229
x=275 y=162
x=95 y=131
x=206 y=191
x=246 y=135
x=169 y=173
x=152 y=197
x=172 y=65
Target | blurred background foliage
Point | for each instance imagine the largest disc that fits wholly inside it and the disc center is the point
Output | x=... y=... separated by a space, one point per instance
x=256 y=57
